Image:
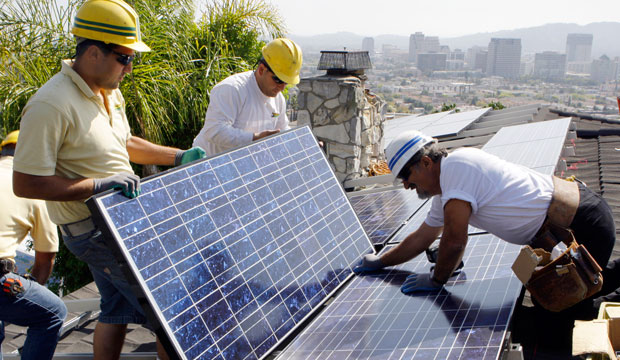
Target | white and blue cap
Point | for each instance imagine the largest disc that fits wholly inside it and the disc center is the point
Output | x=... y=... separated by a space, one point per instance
x=404 y=147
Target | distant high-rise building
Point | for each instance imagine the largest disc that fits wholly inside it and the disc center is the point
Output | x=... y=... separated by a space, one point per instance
x=368 y=44
x=480 y=62
x=416 y=45
x=431 y=61
x=431 y=44
x=456 y=60
x=420 y=44
x=504 y=57
x=579 y=47
x=550 y=65
x=604 y=69
x=476 y=58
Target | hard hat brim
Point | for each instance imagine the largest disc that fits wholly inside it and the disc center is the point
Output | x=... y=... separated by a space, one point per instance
x=287 y=79
x=137 y=46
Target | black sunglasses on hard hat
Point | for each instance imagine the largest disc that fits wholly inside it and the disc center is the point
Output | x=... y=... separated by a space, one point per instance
x=123 y=59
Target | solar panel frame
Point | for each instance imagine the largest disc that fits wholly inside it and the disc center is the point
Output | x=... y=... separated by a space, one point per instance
x=167 y=213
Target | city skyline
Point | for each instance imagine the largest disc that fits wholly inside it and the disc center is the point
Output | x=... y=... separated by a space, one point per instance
x=448 y=18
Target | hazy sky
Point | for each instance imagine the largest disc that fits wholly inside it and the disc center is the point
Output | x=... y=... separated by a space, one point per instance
x=444 y=18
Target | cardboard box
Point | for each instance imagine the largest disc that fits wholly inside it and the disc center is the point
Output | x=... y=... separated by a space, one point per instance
x=599 y=338
x=525 y=263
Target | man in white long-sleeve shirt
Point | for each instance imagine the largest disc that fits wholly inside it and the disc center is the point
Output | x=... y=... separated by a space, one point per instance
x=249 y=106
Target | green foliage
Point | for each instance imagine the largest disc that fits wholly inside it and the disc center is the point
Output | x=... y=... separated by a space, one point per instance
x=496 y=105
x=448 y=107
x=32 y=41
x=167 y=93
x=241 y=24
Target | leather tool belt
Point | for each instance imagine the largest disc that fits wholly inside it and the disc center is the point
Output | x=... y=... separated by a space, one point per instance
x=570 y=278
x=78 y=228
x=574 y=275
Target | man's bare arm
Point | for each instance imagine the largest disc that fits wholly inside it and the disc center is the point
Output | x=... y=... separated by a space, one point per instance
x=146 y=153
x=54 y=188
x=412 y=246
x=453 y=240
x=43 y=264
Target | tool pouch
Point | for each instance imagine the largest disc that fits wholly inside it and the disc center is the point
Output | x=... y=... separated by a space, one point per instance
x=570 y=278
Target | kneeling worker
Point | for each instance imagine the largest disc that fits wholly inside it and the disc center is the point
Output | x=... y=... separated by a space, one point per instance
x=470 y=186
x=24 y=300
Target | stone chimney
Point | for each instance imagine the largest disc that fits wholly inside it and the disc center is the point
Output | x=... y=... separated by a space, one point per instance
x=343 y=114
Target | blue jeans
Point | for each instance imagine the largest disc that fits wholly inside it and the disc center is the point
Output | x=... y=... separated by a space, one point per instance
x=38 y=309
x=118 y=305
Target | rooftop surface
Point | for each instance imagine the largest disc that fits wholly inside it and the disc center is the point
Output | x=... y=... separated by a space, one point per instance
x=543 y=336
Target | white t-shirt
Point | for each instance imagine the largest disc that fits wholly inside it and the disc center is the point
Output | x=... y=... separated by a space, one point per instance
x=237 y=109
x=507 y=200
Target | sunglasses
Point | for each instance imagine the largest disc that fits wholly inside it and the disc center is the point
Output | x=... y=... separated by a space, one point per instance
x=274 y=77
x=406 y=171
x=404 y=174
x=277 y=80
x=123 y=59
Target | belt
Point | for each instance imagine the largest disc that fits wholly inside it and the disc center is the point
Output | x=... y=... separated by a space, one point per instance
x=78 y=228
x=564 y=202
x=560 y=214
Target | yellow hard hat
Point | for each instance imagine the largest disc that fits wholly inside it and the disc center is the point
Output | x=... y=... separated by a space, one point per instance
x=284 y=57
x=11 y=138
x=109 y=21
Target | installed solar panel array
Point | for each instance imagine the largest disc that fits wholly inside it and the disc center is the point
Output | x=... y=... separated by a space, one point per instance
x=372 y=319
x=435 y=125
x=382 y=213
x=537 y=146
x=233 y=252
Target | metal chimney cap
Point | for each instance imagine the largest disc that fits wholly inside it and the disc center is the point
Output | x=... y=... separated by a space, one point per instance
x=344 y=61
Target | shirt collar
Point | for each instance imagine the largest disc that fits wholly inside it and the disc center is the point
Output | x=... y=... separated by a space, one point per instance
x=76 y=78
x=254 y=85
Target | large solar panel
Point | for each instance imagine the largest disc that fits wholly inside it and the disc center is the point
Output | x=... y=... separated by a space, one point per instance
x=382 y=213
x=537 y=146
x=372 y=319
x=230 y=254
x=435 y=125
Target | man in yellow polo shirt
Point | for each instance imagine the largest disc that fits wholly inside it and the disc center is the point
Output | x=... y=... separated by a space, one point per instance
x=24 y=300
x=75 y=141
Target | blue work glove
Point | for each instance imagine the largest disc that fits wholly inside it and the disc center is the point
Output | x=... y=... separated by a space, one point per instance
x=127 y=182
x=368 y=263
x=420 y=283
x=186 y=156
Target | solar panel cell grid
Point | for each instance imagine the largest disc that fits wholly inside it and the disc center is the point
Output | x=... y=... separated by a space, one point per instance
x=234 y=252
x=382 y=213
x=372 y=319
